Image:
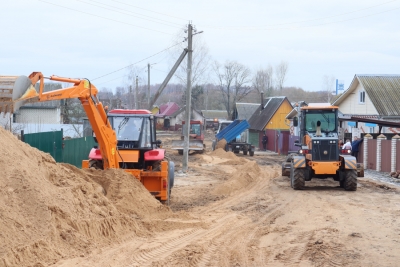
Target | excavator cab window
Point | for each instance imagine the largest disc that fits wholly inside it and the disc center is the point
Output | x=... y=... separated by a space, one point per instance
x=127 y=128
x=195 y=129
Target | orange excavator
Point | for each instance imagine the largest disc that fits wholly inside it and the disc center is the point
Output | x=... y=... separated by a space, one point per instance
x=126 y=138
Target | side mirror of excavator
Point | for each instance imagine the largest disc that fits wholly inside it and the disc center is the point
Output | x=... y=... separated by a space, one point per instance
x=158 y=143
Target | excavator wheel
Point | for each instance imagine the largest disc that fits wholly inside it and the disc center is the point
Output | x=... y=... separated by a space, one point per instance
x=96 y=164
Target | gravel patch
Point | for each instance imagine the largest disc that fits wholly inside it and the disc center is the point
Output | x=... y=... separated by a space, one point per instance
x=381 y=177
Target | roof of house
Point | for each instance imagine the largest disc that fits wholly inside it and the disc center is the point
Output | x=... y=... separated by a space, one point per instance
x=183 y=109
x=260 y=118
x=215 y=114
x=246 y=110
x=168 y=109
x=383 y=90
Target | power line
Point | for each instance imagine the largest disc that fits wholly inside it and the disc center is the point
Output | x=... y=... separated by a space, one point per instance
x=104 y=17
x=148 y=10
x=137 y=61
x=265 y=27
x=125 y=13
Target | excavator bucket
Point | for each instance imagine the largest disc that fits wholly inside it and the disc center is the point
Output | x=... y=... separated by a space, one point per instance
x=193 y=144
x=14 y=91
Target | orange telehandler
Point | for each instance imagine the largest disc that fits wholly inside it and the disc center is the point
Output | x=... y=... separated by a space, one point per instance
x=126 y=138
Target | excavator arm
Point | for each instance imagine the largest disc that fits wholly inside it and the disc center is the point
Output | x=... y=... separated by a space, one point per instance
x=87 y=94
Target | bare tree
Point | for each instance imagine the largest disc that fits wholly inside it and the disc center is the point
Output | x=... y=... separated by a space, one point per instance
x=280 y=74
x=262 y=81
x=232 y=78
x=328 y=83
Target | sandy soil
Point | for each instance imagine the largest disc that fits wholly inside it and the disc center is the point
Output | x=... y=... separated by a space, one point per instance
x=227 y=210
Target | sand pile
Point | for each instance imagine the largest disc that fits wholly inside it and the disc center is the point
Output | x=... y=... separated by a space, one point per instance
x=220 y=144
x=221 y=153
x=245 y=175
x=50 y=211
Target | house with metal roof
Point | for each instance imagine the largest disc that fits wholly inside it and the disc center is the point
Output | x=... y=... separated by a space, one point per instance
x=269 y=118
x=368 y=100
x=244 y=111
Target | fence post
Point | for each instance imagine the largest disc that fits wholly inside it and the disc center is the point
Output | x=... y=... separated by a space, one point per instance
x=379 y=152
x=365 y=157
x=394 y=152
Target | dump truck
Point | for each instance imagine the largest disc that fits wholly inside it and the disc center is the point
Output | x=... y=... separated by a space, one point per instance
x=126 y=138
x=232 y=136
x=196 y=138
x=319 y=154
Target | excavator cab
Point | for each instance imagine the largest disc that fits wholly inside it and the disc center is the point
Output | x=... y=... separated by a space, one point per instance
x=135 y=129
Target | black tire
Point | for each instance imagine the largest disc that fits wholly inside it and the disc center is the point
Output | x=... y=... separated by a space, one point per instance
x=291 y=175
x=245 y=152
x=285 y=170
x=298 y=179
x=236 y=151
x=180 y=152
x=96 y=164
x=251 y=152
x=350 y=180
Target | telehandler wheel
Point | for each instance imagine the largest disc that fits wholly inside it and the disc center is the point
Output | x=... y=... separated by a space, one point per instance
x=298 y=179
x=350 y=180
x=291 y=174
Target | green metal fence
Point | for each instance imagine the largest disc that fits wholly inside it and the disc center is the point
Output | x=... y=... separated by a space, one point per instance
x=77 y=149
x=71 y=151
x=49 y=142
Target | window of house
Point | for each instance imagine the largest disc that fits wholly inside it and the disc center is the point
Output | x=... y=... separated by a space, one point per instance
x=362 y=97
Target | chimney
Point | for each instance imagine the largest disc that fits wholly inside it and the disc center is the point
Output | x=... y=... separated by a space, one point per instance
x=262 y=100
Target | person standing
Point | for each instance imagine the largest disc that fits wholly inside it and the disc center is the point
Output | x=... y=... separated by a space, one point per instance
x=355 y=147
x=265 y=141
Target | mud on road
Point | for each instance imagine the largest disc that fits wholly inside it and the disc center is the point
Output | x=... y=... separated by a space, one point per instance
x=235 y=210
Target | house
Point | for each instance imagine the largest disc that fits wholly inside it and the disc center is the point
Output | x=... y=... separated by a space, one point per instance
x=244 y=111
x=179 y=116
x=270 y=118
x=164 y=115
x=369 y=100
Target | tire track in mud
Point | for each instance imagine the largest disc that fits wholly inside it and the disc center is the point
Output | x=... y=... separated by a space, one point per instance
x=166 y=248
x=246 y=235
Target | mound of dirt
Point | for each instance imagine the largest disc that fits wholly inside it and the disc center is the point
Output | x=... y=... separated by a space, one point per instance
x=221 y=153
x=50 y=211
x=220 y=144
x=245 y=175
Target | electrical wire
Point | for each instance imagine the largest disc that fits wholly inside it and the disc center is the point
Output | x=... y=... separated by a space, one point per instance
x=138 y=61
x=265 y=27
x=149 y=10
x=104 y=17
x=125 y=13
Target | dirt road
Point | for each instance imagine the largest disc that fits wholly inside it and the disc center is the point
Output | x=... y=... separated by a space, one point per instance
x=240 y=211
x=227 y=210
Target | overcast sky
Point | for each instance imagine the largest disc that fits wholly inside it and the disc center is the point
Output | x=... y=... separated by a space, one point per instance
x=99 y=38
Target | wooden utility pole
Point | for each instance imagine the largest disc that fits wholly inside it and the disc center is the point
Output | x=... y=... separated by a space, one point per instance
x=148 y=85
x=136 y=93
x=186 y=129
